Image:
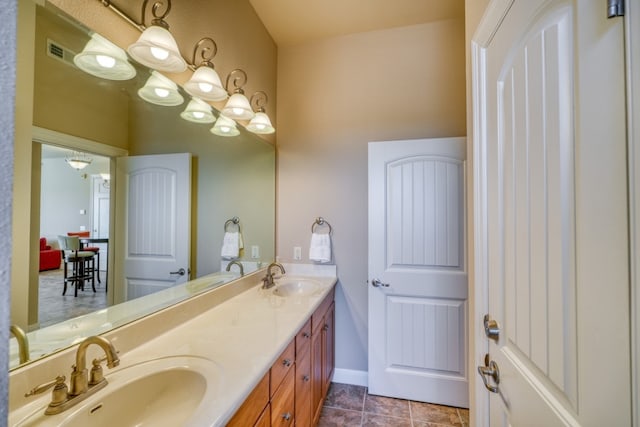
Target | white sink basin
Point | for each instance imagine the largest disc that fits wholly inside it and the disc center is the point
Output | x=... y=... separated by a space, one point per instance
x=288 y=287
x=175 y=391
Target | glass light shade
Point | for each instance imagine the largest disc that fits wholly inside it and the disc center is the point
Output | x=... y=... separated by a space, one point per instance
x=198 y=111
x=260 y=124
x=160 y=90
x=156 y=48
x=225 y=127
x=205 y=84
x=79 y=160
x=238 y=108
x=103 y=59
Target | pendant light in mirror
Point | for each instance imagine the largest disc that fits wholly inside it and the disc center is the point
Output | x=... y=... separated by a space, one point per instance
x=260 y=123
x=198 y=111
x=205 y=82
x=238 y=106
x=103 y=59
x=156 y=48
x=160 y=90
x=225 y=127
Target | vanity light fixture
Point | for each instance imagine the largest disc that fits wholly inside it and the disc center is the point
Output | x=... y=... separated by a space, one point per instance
x=78 y=160
x=198 y=111
x=260 y=123
x=160 y=90
x=156 y=48
x=103 y=59
x=238 y=106
x=205 y=82
x=225 y=127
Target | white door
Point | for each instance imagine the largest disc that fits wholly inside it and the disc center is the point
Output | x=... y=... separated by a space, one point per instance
x=100 y=215
x=156 y=194
x=417 y=271
x=551 y=222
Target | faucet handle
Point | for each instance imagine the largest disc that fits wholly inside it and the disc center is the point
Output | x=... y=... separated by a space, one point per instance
x=96 y=376
x=59 y=393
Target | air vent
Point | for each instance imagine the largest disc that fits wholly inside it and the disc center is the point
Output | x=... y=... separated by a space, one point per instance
x=57 y=51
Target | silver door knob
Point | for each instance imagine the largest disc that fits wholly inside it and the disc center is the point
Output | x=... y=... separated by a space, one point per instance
x=180 y=272
x=377 y=283
x=490 y=370
x=491 y=328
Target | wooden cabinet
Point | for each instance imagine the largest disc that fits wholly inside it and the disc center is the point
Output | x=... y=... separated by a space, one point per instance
x=294 y=389
x=322 y=354
x=303 y=376
x=254 y=407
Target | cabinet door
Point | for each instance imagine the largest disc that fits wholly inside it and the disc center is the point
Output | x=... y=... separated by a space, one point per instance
x=328 y=353
x=303 y=390
x=316 y=374
x=265 y=418
x=253 y=406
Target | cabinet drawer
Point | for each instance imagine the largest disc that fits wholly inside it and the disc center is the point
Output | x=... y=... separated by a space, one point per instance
x=316 y=318
x=282 y=366
x=282 y=402
x=303 y=339
x=253 y=405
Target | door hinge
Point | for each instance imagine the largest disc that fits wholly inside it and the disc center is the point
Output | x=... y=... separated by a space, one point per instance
x=615 y=8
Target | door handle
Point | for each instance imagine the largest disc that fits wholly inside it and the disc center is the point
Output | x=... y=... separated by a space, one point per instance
x=491 y=328
x=490 y=370
x=377 y=283
x=180 y=272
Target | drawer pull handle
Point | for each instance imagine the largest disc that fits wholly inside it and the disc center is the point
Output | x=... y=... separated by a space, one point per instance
x=306 y=335
x=305 y=378
x=286 y=416
x=286 y=362
x=325 y=327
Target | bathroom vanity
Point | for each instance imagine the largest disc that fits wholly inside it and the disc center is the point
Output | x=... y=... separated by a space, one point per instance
x=238 y=354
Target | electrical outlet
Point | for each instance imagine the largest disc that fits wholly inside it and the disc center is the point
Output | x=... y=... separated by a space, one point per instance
x=83 y=228
x=255 y=252
x=297 y=253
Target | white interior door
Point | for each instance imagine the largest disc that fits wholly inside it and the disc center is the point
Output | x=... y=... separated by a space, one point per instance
x=551 y=226
x=417 y=271
x=156 y=195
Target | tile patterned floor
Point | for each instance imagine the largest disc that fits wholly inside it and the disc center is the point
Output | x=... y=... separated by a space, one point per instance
x=53 y=307
x=350 y=405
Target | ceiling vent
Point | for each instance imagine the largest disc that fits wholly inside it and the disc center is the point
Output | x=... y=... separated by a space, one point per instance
x=57 y=51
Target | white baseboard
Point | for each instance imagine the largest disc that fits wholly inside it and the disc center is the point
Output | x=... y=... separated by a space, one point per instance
x=350 y=376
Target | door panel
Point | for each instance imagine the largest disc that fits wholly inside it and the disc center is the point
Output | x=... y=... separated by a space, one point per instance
x=553 y=234
x=418 y=303
x=157 y=196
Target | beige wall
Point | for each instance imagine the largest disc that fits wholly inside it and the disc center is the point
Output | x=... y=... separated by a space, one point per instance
x=334 y=96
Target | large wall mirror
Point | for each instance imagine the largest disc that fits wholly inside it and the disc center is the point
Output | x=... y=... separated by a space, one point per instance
x=231 y=179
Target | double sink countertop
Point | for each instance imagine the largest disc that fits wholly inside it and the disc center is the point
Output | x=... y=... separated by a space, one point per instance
x=240 y=328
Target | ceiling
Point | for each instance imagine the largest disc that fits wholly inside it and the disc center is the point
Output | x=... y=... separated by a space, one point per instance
x=293 y=22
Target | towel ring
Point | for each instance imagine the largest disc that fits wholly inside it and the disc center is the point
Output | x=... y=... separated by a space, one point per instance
x=320 y=221
x=235 y=220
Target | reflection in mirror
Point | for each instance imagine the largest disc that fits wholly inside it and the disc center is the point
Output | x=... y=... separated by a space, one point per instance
x=106 y=119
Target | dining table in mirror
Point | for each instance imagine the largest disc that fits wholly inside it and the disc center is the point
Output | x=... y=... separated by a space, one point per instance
x=153 y=186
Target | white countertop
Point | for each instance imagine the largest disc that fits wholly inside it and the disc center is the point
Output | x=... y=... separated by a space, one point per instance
x=242 y=335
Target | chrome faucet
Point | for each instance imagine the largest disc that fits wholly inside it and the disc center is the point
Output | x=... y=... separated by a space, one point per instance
x=23 y=342
x=81 y=385
x=267 y=281
x=239 y=264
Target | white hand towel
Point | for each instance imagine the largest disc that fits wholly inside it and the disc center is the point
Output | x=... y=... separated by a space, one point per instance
x=320 y=248
x=231 y=245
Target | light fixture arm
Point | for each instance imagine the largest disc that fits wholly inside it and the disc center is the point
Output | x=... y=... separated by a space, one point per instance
x=258 y=101
x=206 y=49
x=239 y=80
x=156 y=11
